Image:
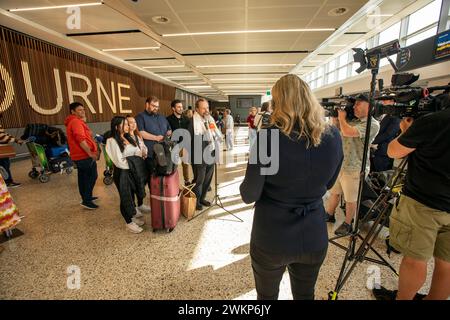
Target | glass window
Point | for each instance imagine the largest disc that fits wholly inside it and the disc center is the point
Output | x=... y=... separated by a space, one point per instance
x=385 y=61
x=319 y=82
x=390 y=34
x=422 y=36
x=342 y=73
x=331 y=77
x=321 y=71
x=332 y=65
x=343 y=60
x=425 y=16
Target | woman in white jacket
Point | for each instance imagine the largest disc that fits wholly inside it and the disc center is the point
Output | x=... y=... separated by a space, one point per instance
x=120 y=146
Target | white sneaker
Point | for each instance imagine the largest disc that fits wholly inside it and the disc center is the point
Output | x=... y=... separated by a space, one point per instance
x=138 y=221
x=134 y=228
x=138 y=213
x=144 y=208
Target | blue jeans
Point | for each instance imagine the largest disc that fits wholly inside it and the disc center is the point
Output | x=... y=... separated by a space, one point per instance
x=87 y=176
x=6 y=163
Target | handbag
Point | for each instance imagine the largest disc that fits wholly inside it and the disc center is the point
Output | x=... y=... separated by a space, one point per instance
x=188 y=201
x=7 y=151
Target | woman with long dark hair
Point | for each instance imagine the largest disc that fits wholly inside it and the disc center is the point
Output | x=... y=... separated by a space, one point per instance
x=123 y=150
x=289 y=227
x=136 y=137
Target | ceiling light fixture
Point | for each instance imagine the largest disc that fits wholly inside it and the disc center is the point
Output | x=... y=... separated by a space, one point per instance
x=182 y=77
x=246 y=31
x=379 y=15
x=170 y=66
x=57 y=7
x=197 y=87
x=130 y=49
x=245 y=65
x=245 y=79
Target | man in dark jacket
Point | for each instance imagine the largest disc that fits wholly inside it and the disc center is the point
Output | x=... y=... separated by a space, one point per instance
x=389 y=129
x=178 y=121
x=202 y=143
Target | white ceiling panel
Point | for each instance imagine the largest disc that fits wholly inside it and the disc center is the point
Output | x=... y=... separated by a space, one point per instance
x=93 y=19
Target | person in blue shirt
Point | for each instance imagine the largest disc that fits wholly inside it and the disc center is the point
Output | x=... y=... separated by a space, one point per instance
x=152 y=126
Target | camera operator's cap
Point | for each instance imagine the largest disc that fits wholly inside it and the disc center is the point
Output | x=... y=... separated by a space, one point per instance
x=362 y=97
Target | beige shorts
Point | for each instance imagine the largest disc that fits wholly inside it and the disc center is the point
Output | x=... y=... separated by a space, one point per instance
x=418 y=231
x=347 y=183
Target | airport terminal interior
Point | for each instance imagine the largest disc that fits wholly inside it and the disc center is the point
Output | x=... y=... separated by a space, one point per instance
x=125 y=57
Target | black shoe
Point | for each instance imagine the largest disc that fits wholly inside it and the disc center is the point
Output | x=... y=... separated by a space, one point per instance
x=384 y=294
x=198 y=207
x=389 y=295
x=343 y=229
x=89 y=205
x=330 y=218
x=13 y=184
x=205 y=203
x=94 y=198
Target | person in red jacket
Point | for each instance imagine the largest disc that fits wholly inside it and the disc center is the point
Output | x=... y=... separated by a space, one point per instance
x=83 y=151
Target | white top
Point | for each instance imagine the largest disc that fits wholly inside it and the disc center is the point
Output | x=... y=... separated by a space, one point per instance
x=229 y=123
x=118 y=157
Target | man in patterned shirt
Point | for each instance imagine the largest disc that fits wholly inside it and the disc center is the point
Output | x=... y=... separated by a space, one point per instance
x=353 y=135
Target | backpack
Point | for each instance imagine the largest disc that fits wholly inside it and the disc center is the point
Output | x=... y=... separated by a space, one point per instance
x=163 y=164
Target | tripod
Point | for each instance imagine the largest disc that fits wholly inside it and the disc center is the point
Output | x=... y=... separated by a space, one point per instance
x=359 y=255
x=381 y=208
x=217 y=202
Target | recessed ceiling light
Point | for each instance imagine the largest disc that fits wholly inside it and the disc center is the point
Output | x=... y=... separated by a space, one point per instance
x=160 y=20
x=57 y=7
x=336 y=12
x=246 y=31
x=131 y=49
x=245 y=65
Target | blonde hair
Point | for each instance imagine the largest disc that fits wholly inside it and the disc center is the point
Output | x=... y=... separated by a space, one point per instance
x=294 y=104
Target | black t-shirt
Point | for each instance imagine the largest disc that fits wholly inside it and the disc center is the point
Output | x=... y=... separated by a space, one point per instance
x=177 y=123
x=428 y=177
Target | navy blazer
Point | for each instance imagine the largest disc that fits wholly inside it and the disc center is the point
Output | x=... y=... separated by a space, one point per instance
x=289 y=214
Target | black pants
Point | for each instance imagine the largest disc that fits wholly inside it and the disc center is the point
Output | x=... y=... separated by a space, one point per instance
x=268 y=270
x=203 y=174
x=6 y=163
x=87 y=176
x=123 y=184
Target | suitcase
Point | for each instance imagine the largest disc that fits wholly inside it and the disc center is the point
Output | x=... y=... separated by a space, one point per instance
x=165 y=201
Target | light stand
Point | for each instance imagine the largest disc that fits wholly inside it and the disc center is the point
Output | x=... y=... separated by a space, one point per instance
x=217 y=202
x=373 y=63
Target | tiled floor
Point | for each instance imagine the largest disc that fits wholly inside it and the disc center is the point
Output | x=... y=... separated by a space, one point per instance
x=206 y=258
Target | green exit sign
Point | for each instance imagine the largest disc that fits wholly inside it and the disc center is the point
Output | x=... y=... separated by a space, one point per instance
x=268 y=92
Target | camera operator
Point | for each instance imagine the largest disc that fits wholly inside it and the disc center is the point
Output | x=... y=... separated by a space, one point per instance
x=353 y=135
x=420 y=222
x=389 y=129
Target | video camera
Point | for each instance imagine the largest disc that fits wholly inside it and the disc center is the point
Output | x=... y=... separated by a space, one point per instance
x=332 y=105
x=403 y=100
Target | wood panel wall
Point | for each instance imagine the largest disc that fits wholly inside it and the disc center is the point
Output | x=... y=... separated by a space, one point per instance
x=44 y=60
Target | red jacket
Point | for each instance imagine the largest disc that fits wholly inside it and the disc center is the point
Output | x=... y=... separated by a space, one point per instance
x=78 y=131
